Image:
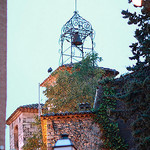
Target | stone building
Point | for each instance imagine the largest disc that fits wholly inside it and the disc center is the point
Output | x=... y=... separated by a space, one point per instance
x=3 y=69
x=79 y=125
x=51 y=79
x=20 y=125
x=82 y=131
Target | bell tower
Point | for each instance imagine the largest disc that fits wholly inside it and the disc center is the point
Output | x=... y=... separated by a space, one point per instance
x=74 y=34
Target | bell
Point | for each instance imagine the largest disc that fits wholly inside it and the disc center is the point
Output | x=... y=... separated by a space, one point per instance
x=76 y=39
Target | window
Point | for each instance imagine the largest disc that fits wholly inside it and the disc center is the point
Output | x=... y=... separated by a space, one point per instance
x=19 y=119
x=24 y=120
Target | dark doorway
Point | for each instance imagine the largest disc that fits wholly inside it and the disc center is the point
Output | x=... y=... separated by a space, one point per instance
x=16 y=137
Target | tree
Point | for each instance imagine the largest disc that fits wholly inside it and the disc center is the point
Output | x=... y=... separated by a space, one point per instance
x=140 y=49
x=36 y=141
x=75 y=87
x=136 y=90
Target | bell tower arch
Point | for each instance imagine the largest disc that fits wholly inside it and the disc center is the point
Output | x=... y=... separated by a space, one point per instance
x=73 y=36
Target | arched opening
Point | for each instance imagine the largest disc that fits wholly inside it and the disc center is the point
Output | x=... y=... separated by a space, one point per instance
x=16 y=137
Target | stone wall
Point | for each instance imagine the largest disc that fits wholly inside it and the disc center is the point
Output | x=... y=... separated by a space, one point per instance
x=83 y=132
x=25 y=129
x=3 y=63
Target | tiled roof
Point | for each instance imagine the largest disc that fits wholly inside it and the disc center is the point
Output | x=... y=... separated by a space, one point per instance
x=108 y=70
x=34 y=106
x=66 y=113
x=105 y=69
x=24 y=108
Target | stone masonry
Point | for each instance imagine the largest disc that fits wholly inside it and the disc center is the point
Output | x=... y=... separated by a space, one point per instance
x=20 y=125
x=21 y=129
x=3 y=67
x=82 y=131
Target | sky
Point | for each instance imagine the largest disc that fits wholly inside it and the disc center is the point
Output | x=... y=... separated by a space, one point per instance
x=34 y=29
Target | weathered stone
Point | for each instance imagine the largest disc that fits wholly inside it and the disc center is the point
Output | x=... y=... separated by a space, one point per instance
x=80 y=127
x=20 y=125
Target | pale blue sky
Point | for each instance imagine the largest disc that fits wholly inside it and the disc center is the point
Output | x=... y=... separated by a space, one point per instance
x=34 y=28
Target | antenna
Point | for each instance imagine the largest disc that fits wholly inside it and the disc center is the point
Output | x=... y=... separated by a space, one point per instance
x=75 y=5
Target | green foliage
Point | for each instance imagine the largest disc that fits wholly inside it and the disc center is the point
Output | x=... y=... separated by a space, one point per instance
x=36 y=141
x=136 y=95
x=136 y=90
x=75 y=87
x=111 y=137
x=140 y=49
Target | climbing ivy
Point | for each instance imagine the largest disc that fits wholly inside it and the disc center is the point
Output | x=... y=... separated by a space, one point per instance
x=75 y=86
x=111 y=138
x=36 y=140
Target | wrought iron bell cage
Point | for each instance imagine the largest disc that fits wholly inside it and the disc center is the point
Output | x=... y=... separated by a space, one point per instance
x=75 y=31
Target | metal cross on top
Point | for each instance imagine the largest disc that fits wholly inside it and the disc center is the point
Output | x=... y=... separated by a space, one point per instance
x=75 y=5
